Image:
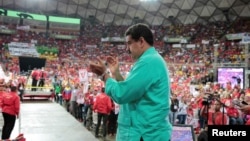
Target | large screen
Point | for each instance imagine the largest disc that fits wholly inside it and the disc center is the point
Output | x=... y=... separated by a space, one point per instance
x=183 y=133
x=233 y=75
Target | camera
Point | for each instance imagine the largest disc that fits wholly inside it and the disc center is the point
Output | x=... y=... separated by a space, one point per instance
x=209 y=98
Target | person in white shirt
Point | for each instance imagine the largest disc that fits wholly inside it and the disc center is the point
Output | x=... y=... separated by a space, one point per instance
x=73 y=104
x=182 y=111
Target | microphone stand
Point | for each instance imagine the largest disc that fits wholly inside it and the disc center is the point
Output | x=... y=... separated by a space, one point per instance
x=207 y=105
x=207 y=110
x=204 y=112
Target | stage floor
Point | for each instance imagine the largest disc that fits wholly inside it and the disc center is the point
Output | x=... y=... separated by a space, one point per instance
x=48 y=121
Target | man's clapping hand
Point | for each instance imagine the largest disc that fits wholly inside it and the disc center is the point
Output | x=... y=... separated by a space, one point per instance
x=98 y=67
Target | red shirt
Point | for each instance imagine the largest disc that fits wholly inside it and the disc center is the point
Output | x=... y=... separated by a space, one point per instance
x=1 y=97
x=10 y=103
x=235 y=95
x=35 y=74
x=102 y=104
x=232 y=112
x=89 y=99
x=42 y=74
x=217 y=120
x=248 y=122
x=86 y=95
x=67 y=93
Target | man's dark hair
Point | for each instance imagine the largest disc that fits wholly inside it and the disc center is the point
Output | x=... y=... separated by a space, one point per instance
x=140 y=30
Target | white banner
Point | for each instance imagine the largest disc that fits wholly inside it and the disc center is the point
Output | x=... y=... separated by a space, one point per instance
x=33 y=41
x=245 y=39
x=191 y=46
x=91 y=46
x=117 y=39
x=113 y=39
x=83 y=75
x=22 y=49
x=176 y=45
x=121 y=46
x=205 y=42
x=3 y=75
x=85 y=87
x=105 y=39
x=26 y=27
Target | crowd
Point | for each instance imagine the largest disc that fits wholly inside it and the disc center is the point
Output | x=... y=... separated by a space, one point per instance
x=92 y=109
x=195 y=94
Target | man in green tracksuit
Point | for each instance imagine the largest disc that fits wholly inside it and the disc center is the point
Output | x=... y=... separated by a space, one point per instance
x=144 y=95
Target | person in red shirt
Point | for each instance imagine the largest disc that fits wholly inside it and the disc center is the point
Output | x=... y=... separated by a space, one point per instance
x=215 y=116
x=201 y=112
x=66 y=95
x=2 y=90
x=228 y=86
x=10 y=109
x=20 y=88
x=90 y=100
x=34 y=75
x=86 y=107
x=234 y=115
x=103 y=107
x=235 y=93
x=42 y=75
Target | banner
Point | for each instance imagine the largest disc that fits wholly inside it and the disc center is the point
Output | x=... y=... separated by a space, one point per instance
x=237 y=36
x=49 y=53
x=26 y=27
x=206 y=42
x=105 y=39
x=47 y=50
x=121 y=46
x=22 y=49
x=83 y=75
x=191 y=45
x=60 y=36
x=33 y=41
x=91 y=46
x=176 y=39
x=7 y=31
x=245 y=39
x=113 y=39
x=176 y=45
x=2 y=74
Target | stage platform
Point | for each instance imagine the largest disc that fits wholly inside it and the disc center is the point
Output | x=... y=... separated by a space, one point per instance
x=48 y=121
x=39 y=94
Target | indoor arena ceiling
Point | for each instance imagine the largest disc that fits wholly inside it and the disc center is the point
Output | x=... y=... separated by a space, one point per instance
x=126 y=12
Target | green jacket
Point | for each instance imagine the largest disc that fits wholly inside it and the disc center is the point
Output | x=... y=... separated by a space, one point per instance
x=58 y=89
x=144 y=100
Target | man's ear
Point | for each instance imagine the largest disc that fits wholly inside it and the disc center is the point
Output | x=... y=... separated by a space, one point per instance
x=141 y=41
